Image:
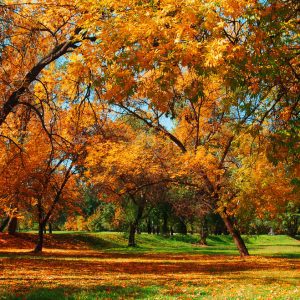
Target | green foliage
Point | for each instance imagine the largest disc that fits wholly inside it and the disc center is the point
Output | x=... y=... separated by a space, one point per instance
x=102 y=218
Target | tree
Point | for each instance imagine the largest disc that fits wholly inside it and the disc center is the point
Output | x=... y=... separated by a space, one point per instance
x=218 y=71
x=129 y=171
x=205 y=65
x=37 y=175
x=264 y=189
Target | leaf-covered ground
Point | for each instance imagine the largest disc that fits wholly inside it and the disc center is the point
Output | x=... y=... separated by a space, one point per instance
x=85 y=266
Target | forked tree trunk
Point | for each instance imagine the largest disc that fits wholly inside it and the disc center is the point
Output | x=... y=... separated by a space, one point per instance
x=44 y=217
x=39 y=245
x=134 y=225
x=235 y=235
x=12 y=225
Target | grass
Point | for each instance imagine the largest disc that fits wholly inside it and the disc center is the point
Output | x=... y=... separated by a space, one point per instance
x=101 y=266
x=278 y=245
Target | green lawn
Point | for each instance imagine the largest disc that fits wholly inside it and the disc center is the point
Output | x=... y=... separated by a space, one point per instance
x=265 y=245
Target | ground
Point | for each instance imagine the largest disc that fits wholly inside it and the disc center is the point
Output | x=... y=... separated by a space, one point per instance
x=100 y=266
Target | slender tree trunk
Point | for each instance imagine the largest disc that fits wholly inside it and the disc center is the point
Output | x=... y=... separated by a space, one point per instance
x=235 y=235
x=157 y=230
x=134 y=225
x=203 y=231
x=39 y=245
x=165 y=230
x=192 y=228
x=153 y=229
x=50 y=228
x=131 y=239
x=4 y=224
x=171 y=231
x=12 y=225
x=149 y=227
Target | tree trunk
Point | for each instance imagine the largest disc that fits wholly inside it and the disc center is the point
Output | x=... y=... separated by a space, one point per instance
x=192 y=228
x=203 y=232
x=12 y=225
x=182 y=227
x=149 y=227
x=135 y=224
x=165 y=230
x=39 y=245
x=157 y=230
x=235 y=235
x=4 y=224
x=131 y=239
x=50 y=228
x=171 y=231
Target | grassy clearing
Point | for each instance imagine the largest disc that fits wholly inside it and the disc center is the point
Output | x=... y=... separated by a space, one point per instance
x=265 y=245
x=101 y=266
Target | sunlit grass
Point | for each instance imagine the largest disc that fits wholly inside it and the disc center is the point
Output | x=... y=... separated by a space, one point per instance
x=279 y=245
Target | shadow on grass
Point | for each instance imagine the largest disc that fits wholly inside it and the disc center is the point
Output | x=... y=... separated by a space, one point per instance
x=104 y=244
x=100 y=292
x=220 y=240
x=97 y=243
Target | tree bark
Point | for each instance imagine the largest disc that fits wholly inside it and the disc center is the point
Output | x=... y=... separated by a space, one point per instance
x=235 y=235
x=39 y=245
x=50 y=228
x=4 y=224
x=134 y=225
x=203 y=232
x=182 y=227
x=165 y=229
x=12 y=225
x=131 y=239
x=192 y=228
x=149 y=227
x=157 y=230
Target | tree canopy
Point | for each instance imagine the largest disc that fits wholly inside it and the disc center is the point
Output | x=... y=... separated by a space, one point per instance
x=186 y=104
